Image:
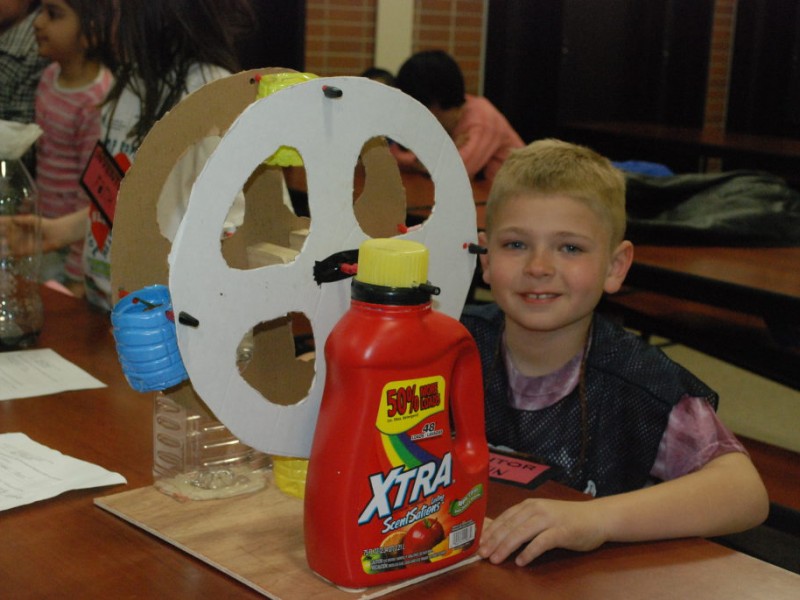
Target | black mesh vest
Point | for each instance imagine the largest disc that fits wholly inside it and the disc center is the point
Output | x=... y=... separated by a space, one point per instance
x=631 y=387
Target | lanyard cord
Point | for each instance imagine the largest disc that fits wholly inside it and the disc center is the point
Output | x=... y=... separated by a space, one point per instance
x=583 y=401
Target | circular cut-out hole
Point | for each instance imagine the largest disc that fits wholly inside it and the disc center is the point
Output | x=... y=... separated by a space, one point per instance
x=277 y=358
x=273 y=230
x=386 y=200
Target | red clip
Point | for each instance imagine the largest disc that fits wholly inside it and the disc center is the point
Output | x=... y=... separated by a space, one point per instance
x=123 y=161
x=349 y=268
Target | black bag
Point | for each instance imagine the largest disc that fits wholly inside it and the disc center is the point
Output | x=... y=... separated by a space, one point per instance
x=734 y=208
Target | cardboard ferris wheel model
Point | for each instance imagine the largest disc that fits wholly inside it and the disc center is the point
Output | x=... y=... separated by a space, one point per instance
x=255 y=282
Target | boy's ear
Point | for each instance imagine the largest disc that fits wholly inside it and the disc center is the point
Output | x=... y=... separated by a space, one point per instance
x=484 y=258
x=621 y=260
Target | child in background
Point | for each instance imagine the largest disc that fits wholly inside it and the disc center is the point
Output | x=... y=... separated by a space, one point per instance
x=20 y=65
x=612 y=414
x=167 y=50
x=74 y=34
x=483 y=136
x=379 y=75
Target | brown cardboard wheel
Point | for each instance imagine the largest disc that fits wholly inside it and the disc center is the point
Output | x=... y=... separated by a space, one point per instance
x=140 y=250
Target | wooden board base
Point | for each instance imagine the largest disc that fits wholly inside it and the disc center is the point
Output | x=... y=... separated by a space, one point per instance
x=256 y=539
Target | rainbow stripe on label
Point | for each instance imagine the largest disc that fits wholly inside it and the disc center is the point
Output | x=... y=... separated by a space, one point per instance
x=401 y=451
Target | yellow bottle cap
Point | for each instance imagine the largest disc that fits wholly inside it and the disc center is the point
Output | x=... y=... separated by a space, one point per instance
x=392 y=263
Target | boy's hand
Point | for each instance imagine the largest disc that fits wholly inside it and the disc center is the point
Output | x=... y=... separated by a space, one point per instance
x=546 y=524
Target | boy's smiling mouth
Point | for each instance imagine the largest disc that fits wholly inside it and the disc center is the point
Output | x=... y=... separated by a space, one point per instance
x=542 y=296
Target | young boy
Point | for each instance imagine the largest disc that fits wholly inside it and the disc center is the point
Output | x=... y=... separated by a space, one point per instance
x=565 y=385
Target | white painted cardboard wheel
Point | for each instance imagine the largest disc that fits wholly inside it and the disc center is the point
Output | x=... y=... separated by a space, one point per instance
x=329 y=133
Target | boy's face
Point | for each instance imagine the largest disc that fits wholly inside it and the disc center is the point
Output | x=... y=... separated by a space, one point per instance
x=58 y=31
x=549 y=261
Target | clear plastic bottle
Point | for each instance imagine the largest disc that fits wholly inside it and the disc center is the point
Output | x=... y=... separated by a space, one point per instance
x=195 y=456
x=21 y=311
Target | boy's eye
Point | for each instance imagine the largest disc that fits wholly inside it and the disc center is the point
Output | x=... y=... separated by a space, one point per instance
x=571 y=249
x=514 y=245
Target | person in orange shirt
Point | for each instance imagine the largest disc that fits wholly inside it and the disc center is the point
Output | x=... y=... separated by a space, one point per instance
x=483 y=136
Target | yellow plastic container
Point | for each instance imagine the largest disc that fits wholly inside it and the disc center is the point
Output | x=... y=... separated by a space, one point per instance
x=290 y=474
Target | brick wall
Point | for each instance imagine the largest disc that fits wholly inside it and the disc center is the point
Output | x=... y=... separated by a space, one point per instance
x=340 y=38
x=722 y=34
x=340 y=35
x=455 y=26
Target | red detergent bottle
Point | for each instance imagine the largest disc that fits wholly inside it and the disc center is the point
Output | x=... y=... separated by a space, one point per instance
x=395 y=488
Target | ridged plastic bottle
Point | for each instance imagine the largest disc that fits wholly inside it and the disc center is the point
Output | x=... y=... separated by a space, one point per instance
x=21 y=309
x=393 y=492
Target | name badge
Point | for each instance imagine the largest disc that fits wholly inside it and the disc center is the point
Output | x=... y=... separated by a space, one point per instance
x=513 y=469
x=101 y=179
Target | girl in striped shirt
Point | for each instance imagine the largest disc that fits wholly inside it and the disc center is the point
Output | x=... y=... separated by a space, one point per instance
x=75 y=35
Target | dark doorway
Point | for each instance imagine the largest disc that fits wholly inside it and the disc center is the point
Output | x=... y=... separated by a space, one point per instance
x=765 y=72
x=523 y=48
x=278 y=36
x=549 y=62
x=629 y=60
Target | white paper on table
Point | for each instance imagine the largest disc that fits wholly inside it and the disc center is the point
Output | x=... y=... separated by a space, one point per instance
x=27 y=373
x=30 y=472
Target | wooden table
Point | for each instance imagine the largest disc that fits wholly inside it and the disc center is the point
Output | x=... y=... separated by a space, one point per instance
x=650 y=141
x=741 y=305
x=419 y=190
x=761 y=281
x=706 y=140
x=66 y=547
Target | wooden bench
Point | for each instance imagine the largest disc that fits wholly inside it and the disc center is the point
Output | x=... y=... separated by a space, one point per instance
x=740 y=339
x=747 y=342
x=777 y=541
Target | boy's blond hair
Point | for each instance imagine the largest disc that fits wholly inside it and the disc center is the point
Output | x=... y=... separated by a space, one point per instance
x=551 y=166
